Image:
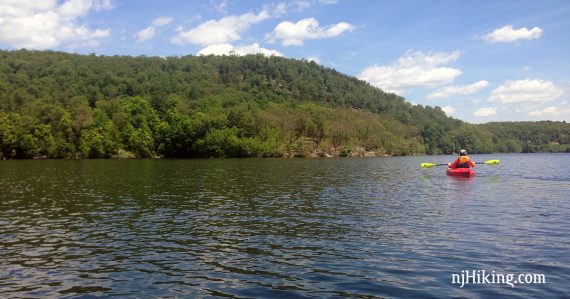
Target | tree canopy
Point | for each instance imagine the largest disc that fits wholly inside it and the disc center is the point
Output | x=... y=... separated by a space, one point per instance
x=61 y=105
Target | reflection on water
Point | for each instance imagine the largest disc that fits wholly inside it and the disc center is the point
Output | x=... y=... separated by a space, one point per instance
x=378 y=227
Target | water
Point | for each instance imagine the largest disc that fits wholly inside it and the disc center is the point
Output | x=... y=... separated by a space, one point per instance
x=281 y=228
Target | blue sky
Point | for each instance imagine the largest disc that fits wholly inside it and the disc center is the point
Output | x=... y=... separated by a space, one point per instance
x=479 y=60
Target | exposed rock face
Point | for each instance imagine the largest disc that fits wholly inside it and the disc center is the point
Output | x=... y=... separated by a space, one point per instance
x=362 y=152
x=369 y=154
x=309 y=148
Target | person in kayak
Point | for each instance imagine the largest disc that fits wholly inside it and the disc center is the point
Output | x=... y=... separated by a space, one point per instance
x=463 y=161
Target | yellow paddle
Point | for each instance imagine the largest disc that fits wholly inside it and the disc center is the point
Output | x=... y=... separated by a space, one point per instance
x=488 y=162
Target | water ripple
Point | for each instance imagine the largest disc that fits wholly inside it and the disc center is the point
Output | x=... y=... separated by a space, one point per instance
x=274 y=228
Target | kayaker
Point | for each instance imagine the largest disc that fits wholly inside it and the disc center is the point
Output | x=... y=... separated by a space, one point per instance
x=462 y=161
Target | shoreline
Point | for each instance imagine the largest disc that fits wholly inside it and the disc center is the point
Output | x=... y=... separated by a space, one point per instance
x=272 y=157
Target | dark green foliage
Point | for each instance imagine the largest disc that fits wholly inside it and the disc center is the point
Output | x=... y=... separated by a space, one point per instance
x=60 y=105
x=530 y=137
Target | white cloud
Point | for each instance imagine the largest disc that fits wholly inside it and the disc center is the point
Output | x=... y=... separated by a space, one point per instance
x=145 y=34
x=293 y=34
x=508 y=34
x=219 y=49
x=14 y=6
x=548 y=111
x=414 y=69
x=280 y=9
x=560 y=112
x=74 y=8
x=227 y=49
x=224 y=30
x=525 y=91
x=301 y=5
x=103 y=5
x=150 y=31
x=448 y=110
x=449 y=91
x=485 y=112
x=220 y=7
x=48 y=24
x=162 y=21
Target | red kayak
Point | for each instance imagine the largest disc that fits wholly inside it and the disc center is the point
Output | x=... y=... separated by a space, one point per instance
x=463 y=172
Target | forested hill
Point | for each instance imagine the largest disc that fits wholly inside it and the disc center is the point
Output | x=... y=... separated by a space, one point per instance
x=61 y=105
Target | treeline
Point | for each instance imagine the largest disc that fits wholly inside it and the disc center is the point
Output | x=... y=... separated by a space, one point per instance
x=134 y=127
x=529 y=137
x=61 y=105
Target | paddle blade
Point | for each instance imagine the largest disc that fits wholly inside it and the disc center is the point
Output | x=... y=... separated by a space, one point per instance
x=492 y=162
x=427 y=165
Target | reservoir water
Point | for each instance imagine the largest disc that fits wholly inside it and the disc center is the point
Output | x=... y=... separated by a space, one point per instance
x=282 y=228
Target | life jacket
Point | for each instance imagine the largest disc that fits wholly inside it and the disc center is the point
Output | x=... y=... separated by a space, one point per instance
x=463 y=162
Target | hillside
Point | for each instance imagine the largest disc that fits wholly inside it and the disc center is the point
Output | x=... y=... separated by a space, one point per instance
x=61 y=105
